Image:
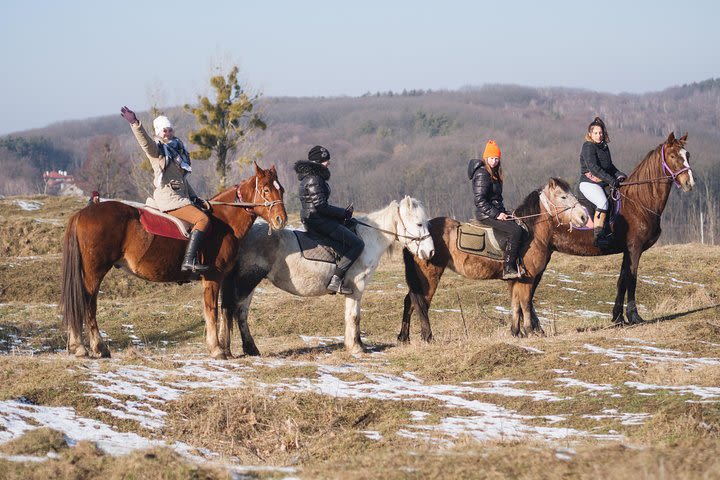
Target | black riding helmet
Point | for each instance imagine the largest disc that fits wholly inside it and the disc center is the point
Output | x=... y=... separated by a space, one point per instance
x=318 y=154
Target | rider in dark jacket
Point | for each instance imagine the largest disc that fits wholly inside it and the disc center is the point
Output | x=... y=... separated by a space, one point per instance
x=597 y=171
x=487 y=180
x=320 y=217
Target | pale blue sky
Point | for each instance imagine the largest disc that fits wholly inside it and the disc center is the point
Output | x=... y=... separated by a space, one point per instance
x=70 y=59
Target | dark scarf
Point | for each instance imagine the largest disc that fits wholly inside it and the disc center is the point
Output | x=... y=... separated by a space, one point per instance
x=175 y=150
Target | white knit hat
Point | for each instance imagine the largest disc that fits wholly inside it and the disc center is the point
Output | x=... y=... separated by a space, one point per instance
x=161 y=123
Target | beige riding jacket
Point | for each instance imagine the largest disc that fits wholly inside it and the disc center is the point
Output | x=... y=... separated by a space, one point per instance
x=172 y=189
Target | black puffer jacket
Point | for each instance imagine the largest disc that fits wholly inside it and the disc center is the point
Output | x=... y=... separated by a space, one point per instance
x=488 y=192
x=595 y=158
x=314 y=192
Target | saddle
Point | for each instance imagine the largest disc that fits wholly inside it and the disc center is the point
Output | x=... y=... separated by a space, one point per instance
x=478 y=239
x=319 y=248
x=158 y=223
x=613 y=208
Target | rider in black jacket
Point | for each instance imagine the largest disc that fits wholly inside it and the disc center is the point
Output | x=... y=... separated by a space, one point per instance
x=597 y=171
x=320 y=217
x=487 y=180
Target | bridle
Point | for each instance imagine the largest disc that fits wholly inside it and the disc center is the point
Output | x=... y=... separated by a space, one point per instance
x=672 y=176
x=668 y=170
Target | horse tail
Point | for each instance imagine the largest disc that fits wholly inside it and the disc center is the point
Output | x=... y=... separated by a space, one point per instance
x=412 y=278
x=74 y=297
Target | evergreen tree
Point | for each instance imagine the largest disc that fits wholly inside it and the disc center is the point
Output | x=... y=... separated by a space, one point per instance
x=223 y=124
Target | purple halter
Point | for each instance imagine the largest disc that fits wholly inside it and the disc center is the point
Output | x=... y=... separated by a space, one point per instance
x=668 y=170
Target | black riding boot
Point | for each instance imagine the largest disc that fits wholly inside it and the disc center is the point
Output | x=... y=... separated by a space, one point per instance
x=601 y=235
x=336 y=283
x=510 y=265
x=190 y=263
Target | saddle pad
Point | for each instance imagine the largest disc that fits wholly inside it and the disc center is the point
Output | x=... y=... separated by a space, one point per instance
x=315 y=249
x=480 y=240
x=613 y=205
x=160 y=224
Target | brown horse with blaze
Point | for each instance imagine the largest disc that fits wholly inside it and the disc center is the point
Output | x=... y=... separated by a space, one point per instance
x=109 y=234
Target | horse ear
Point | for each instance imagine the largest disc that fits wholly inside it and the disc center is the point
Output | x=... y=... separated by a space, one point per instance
x=273 y=170
x=671 y=138
x=258 y=170
x=683 y=139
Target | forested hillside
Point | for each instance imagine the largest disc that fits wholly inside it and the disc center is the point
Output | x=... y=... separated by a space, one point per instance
x=385 y=145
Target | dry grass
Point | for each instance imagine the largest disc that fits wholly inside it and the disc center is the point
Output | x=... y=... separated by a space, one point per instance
x=157 y=326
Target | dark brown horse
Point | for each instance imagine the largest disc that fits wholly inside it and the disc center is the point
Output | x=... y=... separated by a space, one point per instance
x=109 y=234
x=644 y=195
x=545 y=211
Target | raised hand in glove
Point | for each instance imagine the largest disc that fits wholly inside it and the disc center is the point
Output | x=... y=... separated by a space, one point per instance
x=128 y=115
x=349 y=212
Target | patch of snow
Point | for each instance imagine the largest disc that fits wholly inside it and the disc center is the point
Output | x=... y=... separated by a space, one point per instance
x=372 y=434
x=571 y=382
x=625 y=418
x=706 y=393
x=28 y=205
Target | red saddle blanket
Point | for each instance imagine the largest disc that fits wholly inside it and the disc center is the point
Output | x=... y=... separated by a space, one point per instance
x=159 y=225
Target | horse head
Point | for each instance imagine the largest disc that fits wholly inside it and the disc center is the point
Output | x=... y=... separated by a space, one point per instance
x=413 y=230
x=676 y=161
x=559 y=202
x=265 y=192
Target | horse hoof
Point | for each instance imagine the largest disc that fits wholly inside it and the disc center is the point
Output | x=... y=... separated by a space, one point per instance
x=81 y=352
x=634 y=318
x=403 y=338
x=619 y=320
x=538 y=332
x=356 y=349
x=427 y=338
x=251 y=349
x=219 y=356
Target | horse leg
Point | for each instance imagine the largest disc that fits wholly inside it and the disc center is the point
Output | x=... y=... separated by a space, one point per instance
x=352 y=324
x=617 y=315
x=631 y=311
x=210 y=312
x=517 y=328
x=241 y=314
x=408 y=308
x=533 y=314
x=97 y=345
x=74 y=343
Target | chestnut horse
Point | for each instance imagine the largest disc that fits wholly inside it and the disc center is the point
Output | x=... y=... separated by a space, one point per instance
x=109 y=234
x=545 y=211
x=637 y=227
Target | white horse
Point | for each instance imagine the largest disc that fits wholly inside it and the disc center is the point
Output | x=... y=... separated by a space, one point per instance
x=278 y=258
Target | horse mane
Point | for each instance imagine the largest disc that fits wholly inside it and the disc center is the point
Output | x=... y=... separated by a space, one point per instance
x=645 y=170
x=529 y=206
x=377 y=217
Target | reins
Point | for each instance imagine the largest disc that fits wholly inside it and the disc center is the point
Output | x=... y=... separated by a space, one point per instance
x=395 y=234
x=238 y=203
x=554 y=213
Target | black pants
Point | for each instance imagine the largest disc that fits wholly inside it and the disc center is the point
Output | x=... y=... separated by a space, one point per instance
x=514 y=231
x=352 y=245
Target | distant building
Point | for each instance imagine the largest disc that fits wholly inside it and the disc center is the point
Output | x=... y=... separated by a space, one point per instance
x=60 y=183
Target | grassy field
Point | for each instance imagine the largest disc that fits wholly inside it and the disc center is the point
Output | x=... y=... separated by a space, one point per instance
x=586 y=401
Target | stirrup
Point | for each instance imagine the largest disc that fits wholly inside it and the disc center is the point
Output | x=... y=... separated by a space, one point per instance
x=194 y=267
x=336 y=286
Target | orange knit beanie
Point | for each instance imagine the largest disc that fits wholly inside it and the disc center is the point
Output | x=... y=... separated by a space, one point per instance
x=491 y=150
